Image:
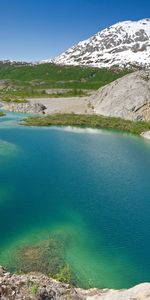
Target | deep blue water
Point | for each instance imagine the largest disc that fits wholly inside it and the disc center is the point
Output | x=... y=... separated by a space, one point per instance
x=93 y=186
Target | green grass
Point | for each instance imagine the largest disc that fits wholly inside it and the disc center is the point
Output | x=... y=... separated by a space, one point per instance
x=33 y=288
x=91 y=121
x=22 y=82
x=54 y=76
x=64 y=275
x=13 y=99
x=69 y=93
x=21 y=96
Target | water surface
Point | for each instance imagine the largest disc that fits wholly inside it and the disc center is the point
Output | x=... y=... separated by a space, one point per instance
x=91 y=186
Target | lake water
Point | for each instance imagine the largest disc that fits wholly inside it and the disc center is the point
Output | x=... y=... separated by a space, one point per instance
x=91 y=186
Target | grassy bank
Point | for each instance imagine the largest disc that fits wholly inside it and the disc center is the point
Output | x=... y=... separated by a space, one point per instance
x=85 y=121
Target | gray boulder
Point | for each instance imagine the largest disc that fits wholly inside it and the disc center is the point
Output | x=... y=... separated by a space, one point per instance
x=127 y=98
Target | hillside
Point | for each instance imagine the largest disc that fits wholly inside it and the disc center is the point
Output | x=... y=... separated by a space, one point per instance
x=20 y=82
x=54 y=76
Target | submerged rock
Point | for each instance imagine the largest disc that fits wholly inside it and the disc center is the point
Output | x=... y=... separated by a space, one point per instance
x=36 y=286
x=7 y=149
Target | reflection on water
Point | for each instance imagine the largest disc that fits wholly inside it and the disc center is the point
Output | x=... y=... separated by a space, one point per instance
x=7 y=149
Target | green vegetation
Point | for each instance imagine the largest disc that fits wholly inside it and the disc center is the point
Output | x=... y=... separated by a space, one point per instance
x=91 y=121
x=65 y=275
x=13 y=99
x=47 y=257
x=21 y=96
x=55 y=76
x=33 y=288
x=19 y=82
x=2 y=114
x=69 y=93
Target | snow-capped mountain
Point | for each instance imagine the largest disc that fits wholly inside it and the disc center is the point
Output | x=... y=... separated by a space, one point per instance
x=123 y=44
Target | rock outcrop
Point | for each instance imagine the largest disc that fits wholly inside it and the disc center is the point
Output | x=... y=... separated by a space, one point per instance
x=36 y=286
x=24 y=107
x=146 y=135
x=127 y=98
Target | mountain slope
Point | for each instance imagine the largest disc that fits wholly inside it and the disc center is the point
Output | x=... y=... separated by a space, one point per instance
x=124 y=44
x=49 y=76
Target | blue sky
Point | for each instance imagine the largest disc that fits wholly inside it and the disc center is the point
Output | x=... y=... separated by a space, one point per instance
x=41 y=29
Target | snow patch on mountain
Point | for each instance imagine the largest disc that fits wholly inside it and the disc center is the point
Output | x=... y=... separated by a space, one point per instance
x=124 y=44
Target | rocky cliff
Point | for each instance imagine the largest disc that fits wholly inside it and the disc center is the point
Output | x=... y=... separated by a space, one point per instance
x=36 y=286
x=127 y=98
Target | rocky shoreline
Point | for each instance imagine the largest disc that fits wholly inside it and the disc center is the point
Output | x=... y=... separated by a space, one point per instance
x=126 y=98
x=146 y=135
x=76 y=105
x=27 y=107
x=36 y=286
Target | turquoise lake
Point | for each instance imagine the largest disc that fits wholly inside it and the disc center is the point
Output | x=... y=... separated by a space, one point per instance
x=92 y=186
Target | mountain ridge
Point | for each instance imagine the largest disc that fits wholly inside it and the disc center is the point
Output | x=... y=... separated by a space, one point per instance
x=124 y=44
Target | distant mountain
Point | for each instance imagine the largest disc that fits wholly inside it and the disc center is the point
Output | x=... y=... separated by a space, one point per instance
x=15 y=63
x=124 y=44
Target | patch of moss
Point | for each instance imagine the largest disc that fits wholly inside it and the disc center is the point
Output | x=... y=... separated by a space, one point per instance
x=65 y=275
x=33 y=288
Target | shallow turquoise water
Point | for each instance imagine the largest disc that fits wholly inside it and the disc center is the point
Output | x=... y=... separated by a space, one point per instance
x=93 y=186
